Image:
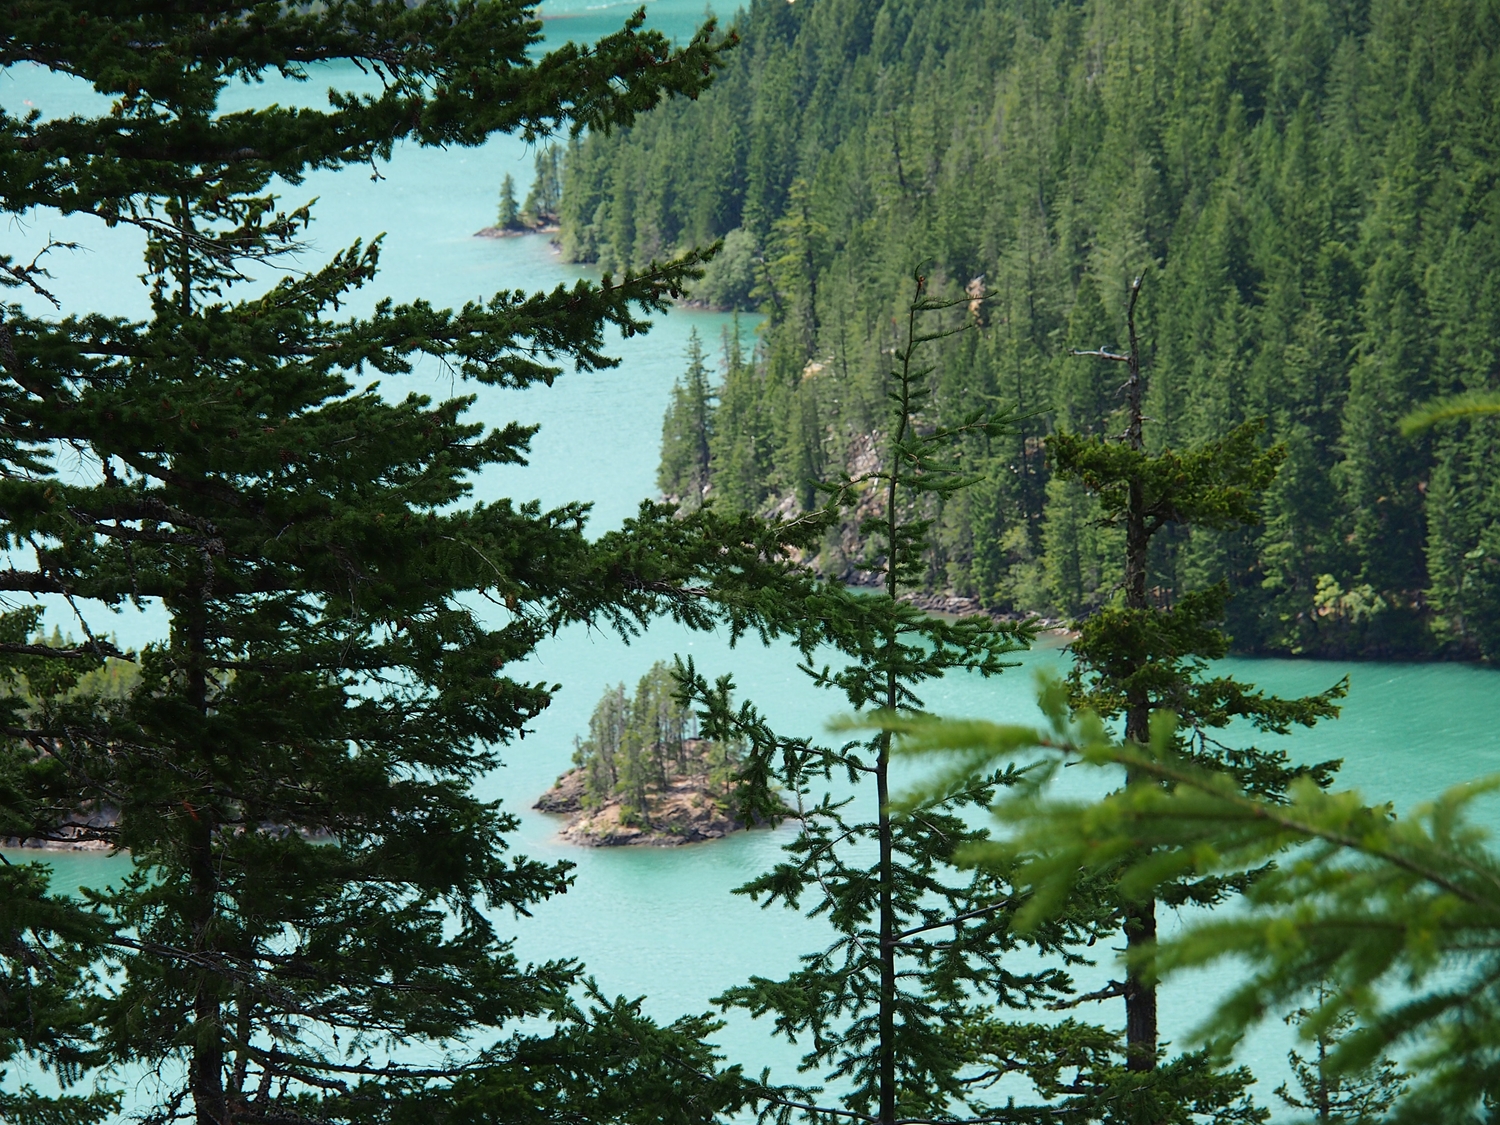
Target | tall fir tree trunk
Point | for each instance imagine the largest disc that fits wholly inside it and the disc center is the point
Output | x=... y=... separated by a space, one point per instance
x=882 y=779
x=1130 y=660
x=1139 y=917
x=210 y=1104
x=887 y=939
x=207 y=1066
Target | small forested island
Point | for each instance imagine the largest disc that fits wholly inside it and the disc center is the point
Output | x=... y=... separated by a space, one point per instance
x=643 y=776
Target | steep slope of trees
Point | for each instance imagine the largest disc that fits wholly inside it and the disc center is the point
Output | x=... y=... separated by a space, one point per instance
x=1311 y=183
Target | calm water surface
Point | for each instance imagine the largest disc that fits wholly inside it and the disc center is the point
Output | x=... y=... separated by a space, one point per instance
x=663 y=923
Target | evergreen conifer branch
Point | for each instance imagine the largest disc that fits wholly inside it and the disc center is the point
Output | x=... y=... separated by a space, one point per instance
x=291 y=766
x=1471 y=405
x=1346 y=899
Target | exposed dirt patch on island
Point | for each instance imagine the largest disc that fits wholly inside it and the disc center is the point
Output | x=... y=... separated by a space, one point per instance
x=684 y=813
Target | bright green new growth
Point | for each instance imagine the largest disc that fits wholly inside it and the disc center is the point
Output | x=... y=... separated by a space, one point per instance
x=1351 y=910
x=1429 y=414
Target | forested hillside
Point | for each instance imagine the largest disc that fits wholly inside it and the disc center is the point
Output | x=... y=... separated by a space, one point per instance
x=1308 y=186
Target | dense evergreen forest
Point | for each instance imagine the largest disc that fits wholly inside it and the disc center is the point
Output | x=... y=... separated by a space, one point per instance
x=302 y=760
x=1309 y=188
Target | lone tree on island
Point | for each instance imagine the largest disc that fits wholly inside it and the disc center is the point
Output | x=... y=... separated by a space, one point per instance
x=311 y=540
x=510 y=210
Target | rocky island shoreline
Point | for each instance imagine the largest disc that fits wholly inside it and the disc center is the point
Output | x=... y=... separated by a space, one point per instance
x=686 y=812
x=643 y=776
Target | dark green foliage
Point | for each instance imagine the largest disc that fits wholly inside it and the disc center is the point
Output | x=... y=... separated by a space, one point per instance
x=1331 y=1096
x=509 y=217
x=46 y=949
x=1467 y=582
x=605 y=1062
x=687 y=433
x=637 y=745
x=545 y=196
x=48 y=946
x=729 y=279
x=316 y=889
x=1313 y=182
x=1216 y=485
x=740 y=436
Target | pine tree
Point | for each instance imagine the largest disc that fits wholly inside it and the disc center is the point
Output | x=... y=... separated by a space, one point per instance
x=1463 y=543
x=510 y=213
x=740 y=443
x=1139 y=656
x=907 y=1005
x=687 y=433
x=600 y=754
x=545 y=195
x=1332 y=1096
x=292 y=768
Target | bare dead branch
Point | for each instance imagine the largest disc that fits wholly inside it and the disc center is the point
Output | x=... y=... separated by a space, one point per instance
x=1110 y=991
x=104 y=647
x=27 y=275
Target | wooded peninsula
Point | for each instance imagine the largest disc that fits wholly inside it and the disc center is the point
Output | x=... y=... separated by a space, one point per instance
x=1307 y=186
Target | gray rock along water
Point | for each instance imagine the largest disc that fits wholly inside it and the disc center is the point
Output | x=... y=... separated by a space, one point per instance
x=661 y=922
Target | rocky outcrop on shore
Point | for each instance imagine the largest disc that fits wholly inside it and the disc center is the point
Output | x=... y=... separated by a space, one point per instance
x=516 y=232
x=686 y=813
x=79 y=832
x=960 y=605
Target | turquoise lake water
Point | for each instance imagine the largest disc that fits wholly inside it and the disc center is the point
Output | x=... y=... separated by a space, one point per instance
x=662 y=923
